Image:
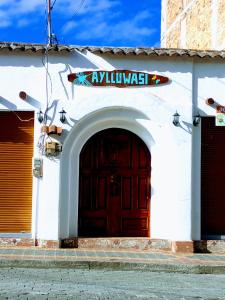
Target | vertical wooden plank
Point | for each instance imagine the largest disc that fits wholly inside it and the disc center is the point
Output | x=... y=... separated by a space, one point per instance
x=126 y=193
x=143 y=193
x=85 y=192
x=102 y=192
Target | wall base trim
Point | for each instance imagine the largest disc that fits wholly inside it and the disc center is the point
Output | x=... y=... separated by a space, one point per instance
x=182 y=247
x=125 y=243
x=16 y=242
x=146 y=244
x=55 y=244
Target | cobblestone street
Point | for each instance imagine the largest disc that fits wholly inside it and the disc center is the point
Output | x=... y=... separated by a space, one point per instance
x=62 y=284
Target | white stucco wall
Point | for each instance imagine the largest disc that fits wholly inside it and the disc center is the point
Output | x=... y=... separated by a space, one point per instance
x=146 y=111
x=208 y=82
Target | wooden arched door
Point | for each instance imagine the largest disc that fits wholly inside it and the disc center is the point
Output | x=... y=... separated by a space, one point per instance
x=114 y=188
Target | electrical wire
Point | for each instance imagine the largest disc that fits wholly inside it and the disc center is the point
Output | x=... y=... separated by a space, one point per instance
x=53 y=5
x=46 y=22
x=22 y=120
x=48 y=80
x=45 y=63
x=57 y=38
x=79 y=8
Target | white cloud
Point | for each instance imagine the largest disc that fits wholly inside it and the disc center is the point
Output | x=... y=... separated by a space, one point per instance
x=4 y=23
x=4 y=19
x=85 y=6
x=6 y=2
x=23 y=23
x=69 y=26
x=96 y=32
x=108 y=21
x=25 y=6
x=142 y=15
x=12 y=10
x=105 y=20
x=133 y=30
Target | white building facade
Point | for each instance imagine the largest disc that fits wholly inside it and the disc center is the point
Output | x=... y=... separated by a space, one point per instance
x=175 y=200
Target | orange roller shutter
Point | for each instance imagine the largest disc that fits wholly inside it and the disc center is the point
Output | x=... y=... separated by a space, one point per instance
x=16 y=151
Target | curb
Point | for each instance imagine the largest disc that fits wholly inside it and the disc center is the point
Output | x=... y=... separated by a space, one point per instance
x=114 y=265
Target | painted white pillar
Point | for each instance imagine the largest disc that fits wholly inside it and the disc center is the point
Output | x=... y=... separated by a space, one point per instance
x=182 y=190
x=171 y=196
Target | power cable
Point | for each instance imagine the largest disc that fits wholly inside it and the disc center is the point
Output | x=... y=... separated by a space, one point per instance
x=79 y=8
x=53 y=5
x=54 y=37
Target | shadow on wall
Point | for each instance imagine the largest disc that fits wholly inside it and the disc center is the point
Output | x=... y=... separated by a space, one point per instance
x=21 y=60
x=11 y=106
x=7 y=104
x=52 y=110
x=148 y=64
x=81 y=62
x=75 y=60
x=211 y=70
x=134 y=114
x=66 y=70
x=33 y=102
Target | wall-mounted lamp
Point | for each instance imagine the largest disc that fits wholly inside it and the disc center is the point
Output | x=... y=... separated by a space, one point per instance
x=196 y=119
x=40 y=116
x=176 y=118
x=62 y=115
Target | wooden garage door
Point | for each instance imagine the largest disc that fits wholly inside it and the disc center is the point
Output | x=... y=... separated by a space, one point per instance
x=114 y=201
x=16 y=150
x=212 y=178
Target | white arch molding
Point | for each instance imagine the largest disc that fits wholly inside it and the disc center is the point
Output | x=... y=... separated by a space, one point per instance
x=113 y=117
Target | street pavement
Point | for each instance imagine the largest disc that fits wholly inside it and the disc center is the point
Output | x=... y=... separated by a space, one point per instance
x=112 y=260
x=37 y=273
x=28 y=283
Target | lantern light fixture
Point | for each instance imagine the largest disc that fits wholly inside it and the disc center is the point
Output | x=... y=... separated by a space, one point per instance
x=196 y=119
x=40 y=116
x=62 y=115
x=176 y=118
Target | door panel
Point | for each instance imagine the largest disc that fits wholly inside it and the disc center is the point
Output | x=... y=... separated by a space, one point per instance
x=114 y=195
x=212 y=178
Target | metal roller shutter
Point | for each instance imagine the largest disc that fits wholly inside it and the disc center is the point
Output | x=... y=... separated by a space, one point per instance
x=16 y=151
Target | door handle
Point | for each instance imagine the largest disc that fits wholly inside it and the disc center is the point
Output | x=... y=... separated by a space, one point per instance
x=112 y=179
x=115 y=183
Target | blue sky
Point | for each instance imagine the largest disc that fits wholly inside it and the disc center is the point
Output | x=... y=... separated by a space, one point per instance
x=83 y=22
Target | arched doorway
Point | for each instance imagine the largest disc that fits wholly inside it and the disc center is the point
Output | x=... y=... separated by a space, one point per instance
x=114 y=185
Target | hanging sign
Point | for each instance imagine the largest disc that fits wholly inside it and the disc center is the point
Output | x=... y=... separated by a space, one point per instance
x=118 y=78
x=220 y=115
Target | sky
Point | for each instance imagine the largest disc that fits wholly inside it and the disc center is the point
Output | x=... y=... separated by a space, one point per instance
x=129 y=23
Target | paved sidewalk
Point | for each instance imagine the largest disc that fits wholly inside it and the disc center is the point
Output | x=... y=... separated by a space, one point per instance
x=112 y=259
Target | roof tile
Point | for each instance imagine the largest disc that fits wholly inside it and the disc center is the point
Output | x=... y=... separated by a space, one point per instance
x=169 y=52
